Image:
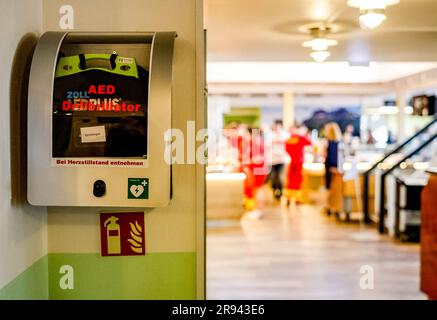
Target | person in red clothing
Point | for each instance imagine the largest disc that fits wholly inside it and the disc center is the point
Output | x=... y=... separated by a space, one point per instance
x=295 y=148
x=251 y=156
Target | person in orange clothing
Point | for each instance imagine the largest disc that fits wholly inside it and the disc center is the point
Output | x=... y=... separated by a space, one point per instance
x=295 y=148
x=251 y=156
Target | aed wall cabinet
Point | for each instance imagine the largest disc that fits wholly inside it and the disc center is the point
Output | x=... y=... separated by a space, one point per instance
x=99 y=106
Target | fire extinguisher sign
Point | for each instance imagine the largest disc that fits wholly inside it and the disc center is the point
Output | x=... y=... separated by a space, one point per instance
x=122 y=234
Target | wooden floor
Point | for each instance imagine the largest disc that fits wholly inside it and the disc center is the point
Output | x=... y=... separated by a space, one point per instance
x=299 y=253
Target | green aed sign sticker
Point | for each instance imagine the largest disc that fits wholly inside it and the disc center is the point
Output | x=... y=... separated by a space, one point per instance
x=138 y=188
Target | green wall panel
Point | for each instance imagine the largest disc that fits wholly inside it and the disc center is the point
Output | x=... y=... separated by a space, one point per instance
x=30 y=284
x=153 y=276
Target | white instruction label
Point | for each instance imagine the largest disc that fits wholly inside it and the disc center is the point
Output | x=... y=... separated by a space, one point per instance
x=93 y=134
x=125 y=60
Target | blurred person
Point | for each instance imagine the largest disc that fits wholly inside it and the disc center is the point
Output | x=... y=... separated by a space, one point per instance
x=348 y=134
x=348 y=137
x=370 y=138
x=279 y=157
x=391 y=139
x=267 y=134
x=334 y=150
x=228 y=147
x=231 y=133
x=251 y=155
x=295 y=146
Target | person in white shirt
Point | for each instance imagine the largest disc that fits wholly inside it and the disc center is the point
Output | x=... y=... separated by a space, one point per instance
x=279 y=157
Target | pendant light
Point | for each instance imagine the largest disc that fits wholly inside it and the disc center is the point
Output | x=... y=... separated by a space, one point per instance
x=320 y=43
x=372 y=12
x=320 y=56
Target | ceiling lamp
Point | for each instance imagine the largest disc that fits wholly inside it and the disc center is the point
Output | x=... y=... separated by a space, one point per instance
x=320 y=56
x=372 y=12
x=372 y=18
x=320 y=44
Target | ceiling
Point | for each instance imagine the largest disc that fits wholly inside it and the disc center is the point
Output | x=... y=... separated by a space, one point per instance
x=312 y=72
x=268 y=30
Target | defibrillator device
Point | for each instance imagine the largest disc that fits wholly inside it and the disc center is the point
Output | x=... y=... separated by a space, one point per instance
x=97 y=111
x=99 y=107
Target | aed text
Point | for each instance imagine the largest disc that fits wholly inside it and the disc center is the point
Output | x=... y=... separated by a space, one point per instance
x=93 y=89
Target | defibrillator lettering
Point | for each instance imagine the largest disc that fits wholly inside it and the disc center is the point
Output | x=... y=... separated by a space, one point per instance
x=77 y=94
x=99 y=104
x=101 y=89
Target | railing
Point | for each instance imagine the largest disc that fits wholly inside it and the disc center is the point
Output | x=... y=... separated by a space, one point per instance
x=366 y=215
x=381 y=222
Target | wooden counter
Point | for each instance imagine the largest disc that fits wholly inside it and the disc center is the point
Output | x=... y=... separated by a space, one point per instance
x=343 y=196
x=428 y=237
x=225 y=195
x=313 y=180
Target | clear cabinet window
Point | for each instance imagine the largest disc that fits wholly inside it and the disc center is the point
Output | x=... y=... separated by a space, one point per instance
x=99 y=110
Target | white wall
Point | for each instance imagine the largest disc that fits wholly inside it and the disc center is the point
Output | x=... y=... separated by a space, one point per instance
x=179 y=226
x=23 y=238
